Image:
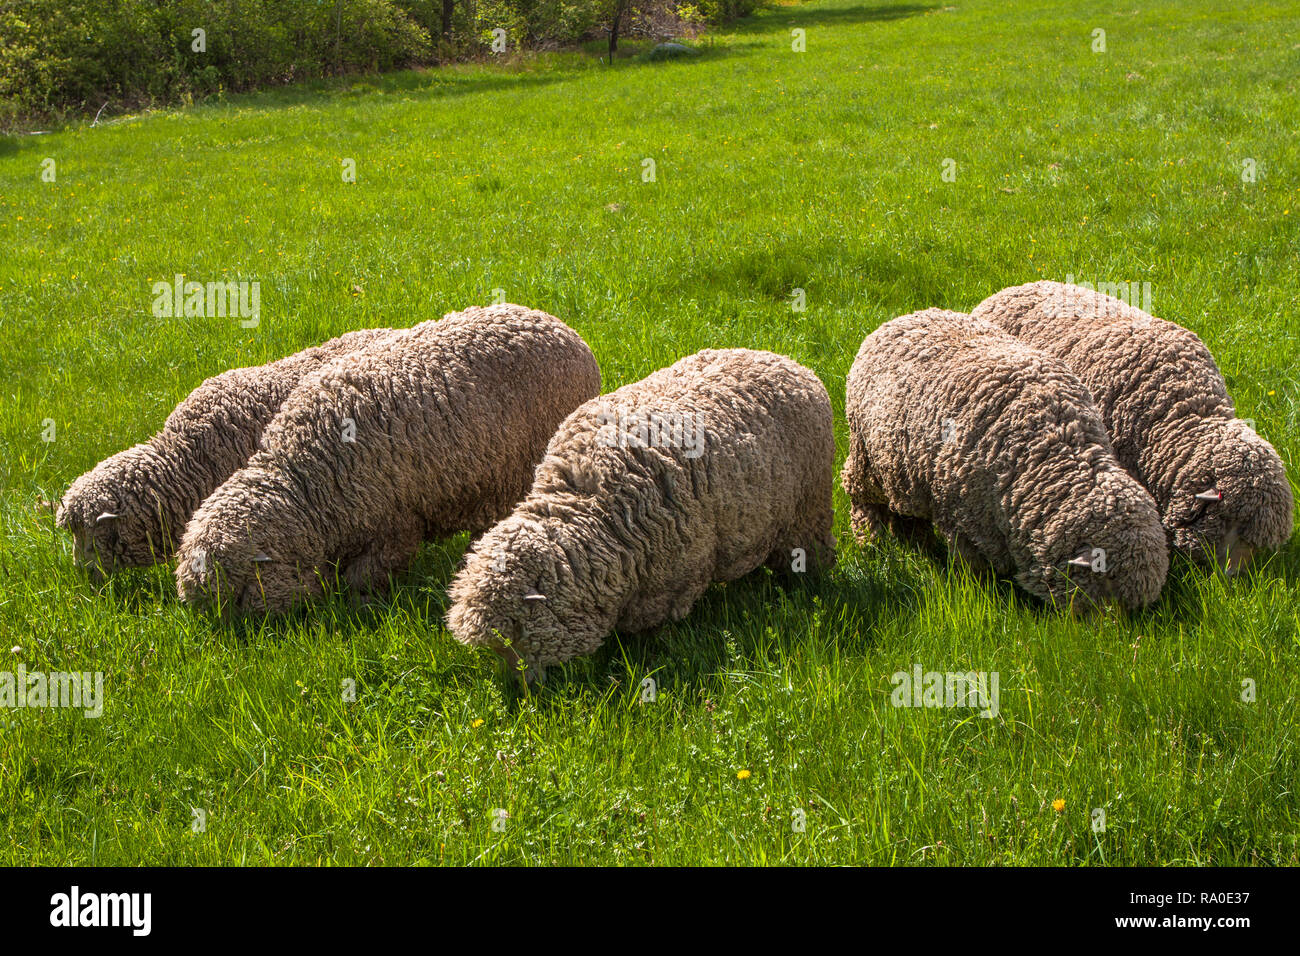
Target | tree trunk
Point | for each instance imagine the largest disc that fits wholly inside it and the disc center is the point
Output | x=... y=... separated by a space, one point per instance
x=338 y=37
x=613 y=31
x=448 y=10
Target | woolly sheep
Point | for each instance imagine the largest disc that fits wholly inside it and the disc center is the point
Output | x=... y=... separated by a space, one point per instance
x=1222 y=490
x=131 y=509
x=956 y=423
x=431 y=431
x=700 y=472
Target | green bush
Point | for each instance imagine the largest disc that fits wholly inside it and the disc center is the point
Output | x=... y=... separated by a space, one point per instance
x=76 y=55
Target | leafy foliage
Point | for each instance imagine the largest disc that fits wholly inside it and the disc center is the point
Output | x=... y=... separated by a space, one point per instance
x=61 y=55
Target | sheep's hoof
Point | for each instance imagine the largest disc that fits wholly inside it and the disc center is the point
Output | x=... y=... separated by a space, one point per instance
x=359 y=599
x=1237 y=558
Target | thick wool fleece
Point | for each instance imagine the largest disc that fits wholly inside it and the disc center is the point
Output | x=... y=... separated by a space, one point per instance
x=954 y=422
x=1222 y=490
x=431 y=431
x=131 y=509
x=700 y=472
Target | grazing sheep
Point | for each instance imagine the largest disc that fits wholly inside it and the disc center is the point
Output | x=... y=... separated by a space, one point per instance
x=1222 y=490
x=956 y=423
x=431 y=431
x=700 y=472
x=131 y=509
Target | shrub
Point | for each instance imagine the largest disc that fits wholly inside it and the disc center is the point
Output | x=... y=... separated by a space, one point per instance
x=76 y=55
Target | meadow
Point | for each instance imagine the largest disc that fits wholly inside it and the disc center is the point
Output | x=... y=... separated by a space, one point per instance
x=912 y=155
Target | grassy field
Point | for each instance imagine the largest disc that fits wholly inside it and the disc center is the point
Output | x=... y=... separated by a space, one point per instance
x=774 y=171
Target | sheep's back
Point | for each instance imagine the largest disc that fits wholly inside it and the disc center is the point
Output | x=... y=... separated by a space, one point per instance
x=961 y=423
x=1146 y=374
x=225 y=415
x=768 y=447
x=444 y=421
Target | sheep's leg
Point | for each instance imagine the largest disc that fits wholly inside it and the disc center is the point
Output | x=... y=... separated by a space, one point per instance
x=873 y=522
x=390 y=551
x=868 y=522
x=868 y=504
x=962 y=546
x=856 y=477
x=917 y=532
x=870 y=516
x=647 y=611
x=687 y=598
x=671 y=603
x=809 y=549
x=670 y=594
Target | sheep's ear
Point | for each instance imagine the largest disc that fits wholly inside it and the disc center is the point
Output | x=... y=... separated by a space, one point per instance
x=261 y=557
x=1080 y=563
x=1213 y=494
x=534 y=596
x=106 y=516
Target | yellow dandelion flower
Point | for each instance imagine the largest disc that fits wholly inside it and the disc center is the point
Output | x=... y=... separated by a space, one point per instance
x=477 y=723
x=742 y=774
x=1058 y=805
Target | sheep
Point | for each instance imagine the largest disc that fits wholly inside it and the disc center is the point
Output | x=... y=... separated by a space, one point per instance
x=701 y=472
x=1221 y=489
x=131 y=508
x=432 y=431
x=955 y=424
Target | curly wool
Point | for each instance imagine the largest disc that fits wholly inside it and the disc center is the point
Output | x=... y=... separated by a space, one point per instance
x=431 y=431
x=623 y=530
x=955 y=423
x=131 y=509
x=1167 y=408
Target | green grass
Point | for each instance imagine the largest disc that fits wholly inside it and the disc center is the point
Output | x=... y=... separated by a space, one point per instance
x=775 y=171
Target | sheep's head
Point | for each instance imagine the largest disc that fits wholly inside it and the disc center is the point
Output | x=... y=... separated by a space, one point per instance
x=521 y=594
x=117 y=514
x=1230 y=497
x=215 y=568
x=1106 y=547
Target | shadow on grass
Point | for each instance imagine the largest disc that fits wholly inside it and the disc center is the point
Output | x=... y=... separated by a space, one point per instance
x=745 y=625
x=748 y=625
x=801 y=16
x=438 y=82
x=530 y=71
x=454 y=80
x=132 y=590
x=418 y=593
x=435 y=83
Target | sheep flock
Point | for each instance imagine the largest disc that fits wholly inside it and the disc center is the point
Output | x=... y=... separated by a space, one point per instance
x=1054 y=436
